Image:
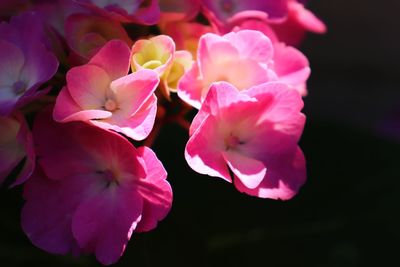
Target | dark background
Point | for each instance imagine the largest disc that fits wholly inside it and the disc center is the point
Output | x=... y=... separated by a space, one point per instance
x=347 y=214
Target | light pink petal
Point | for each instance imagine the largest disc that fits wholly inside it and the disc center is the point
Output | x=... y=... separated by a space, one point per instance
x=114 y=58
x=220 y=96
x=190 y=87
x=291 y=66
x=66 y=109
x=133 y=90
x=88 y=85
x=137 y=126
x=284 y=177
x=250 y=171
x=105 y=221
x=155 y=190
x=202 y=151
x=252 y=45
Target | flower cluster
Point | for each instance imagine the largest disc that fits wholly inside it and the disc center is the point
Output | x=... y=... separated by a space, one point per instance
x=85 y=86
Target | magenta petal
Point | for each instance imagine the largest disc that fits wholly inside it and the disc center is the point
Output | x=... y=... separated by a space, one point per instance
x=114 y=58
x=46 y=215
x=250 y=171
x=155 y=190
x=104 y=222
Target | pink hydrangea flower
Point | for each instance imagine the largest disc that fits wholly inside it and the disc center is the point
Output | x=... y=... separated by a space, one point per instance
x=91 y=191
x=244 y=59
x=86 y=34
x=298 y=22
x=254 y=133
x=25 y=62
x=221 y=13
x=15 y=145
x=103 y=94
x=145 y=12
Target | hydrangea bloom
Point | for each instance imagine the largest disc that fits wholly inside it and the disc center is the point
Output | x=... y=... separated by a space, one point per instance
x=25 y=62
x=222 y=12
x=133 y=11
x=103 y=94
x=15 y=144
x=253 y=132
x=298 y=22
x=86 y=34
x=244 y=59
x=91 y=191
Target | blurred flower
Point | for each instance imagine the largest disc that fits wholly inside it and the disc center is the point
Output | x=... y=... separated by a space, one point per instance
x=86 y=34
x=15 y=145
x=145 y=12
x=186 y=35
x=299 y=21
x=253 y=132
x=221 y=13
x=103 y=94
x=178 y=10
x=91 y=191
x=25 y=61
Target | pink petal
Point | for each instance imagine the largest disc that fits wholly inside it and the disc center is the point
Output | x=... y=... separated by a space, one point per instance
x=285 y=175
x=88 y=85
x=155 y=190
x=104 y=222
x=251 y=44
x=133 y=90
x=202 y=151
x=66 y=109
x=114 y=58
x=291 y=66
x=250 y=171
x=136 y=126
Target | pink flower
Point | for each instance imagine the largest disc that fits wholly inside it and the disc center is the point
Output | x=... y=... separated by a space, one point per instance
x=92 y=190
x=86 y=34
x=254 y=133
x=103 y=94
x=299 y=21
x=244 y=59
x=145 y=12
x=221 y=13
x=239 y=58
x=25 y=62
x=15 y=144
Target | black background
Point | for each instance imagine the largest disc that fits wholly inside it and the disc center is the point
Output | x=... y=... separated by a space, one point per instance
x=347 y=214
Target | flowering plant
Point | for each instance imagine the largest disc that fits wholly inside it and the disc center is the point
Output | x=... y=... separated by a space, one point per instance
x=85 y=92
